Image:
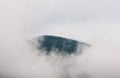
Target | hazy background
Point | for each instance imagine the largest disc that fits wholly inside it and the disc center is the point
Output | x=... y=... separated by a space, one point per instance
x=92 y=21
x=79 y=19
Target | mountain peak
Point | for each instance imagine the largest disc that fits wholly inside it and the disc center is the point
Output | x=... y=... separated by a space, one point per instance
x=60 y=45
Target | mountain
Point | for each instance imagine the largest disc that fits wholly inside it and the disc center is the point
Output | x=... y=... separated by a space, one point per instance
x=60 y=45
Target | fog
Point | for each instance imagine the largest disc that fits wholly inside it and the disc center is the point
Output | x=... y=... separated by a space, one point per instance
x=95 y=22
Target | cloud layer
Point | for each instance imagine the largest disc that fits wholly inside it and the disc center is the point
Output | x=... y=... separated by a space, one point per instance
x=95 y=22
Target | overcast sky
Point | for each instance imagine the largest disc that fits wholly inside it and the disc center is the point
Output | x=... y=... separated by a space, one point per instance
x=78 y=19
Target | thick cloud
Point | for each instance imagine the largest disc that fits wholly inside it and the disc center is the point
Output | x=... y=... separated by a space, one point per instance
x=92 y=21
